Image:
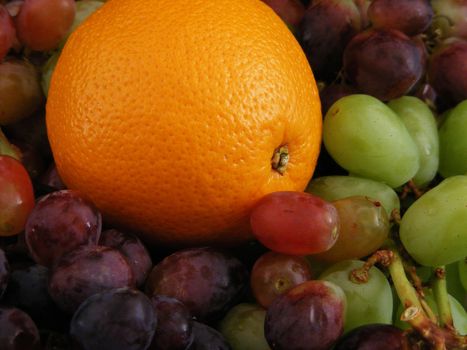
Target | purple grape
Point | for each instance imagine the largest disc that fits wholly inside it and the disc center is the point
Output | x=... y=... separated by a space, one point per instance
x=17 y=330
x=207 y=338
x=132 y=248
x=206 y=280
x=59 y=223
x=4 y=272
x=384 y=63
x=85 y=271
x=332 y=93
x=324 y=32
x=373 y=336
x=310 y=316
x=52 y=179
x=121 y=319
x=408 y=16
x=27 y=289
x=174 y=324
x=447 y=71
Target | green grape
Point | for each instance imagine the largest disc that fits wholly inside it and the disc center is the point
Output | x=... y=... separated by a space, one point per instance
x=331 y=188
x=454 y=283
x=459 y=315
x=364 y=227
x=84 y=9
x=47 y=71
x=243 y=327
x=421 y=123
x=463 y=272
x=453 y=142
x=367 y=138
x=434 y=228
x=367 y=303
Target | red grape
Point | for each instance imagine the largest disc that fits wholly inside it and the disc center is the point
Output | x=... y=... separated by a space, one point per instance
x=42 y=24
x=295 y=223
x=384 y=63
x=324 y=32
x=206 y=280
x=16 y=196
x=309 y=316
x=60 y=222
x=7 y=32
x=364 y=227
x=85 y=271
x=447 y=71
x=20 y=91
x=120 y=319
x=274 y=274
x=409 y=16
x=132 y=248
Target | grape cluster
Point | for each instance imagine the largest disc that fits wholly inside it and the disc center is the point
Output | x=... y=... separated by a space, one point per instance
x=372 y=255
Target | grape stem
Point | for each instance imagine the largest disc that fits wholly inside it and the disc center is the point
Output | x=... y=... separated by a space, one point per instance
x=361 y=275
x=411 y=187
x=441 y=296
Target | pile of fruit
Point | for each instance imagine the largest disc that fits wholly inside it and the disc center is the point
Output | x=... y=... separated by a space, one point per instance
x=142 y=206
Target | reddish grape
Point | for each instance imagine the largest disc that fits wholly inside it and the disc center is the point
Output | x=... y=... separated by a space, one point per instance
x=60 y=222
x=7 y=32
x=17 y=330
x=295 y=223
x=16 y=196
x=324 y=32
x=309 y=316
x=120 y=319
x=4 y=272
x=13 y=7
x=447 y=71
x=174 y=324
x=206 y=280
x=291 y=11
x=364 y=227
x=373 y=336
x=132 y=248
x=274 y=274
x=85 y=271
x=20 y=91
x=384 y=63
x=42 y=24
x=409 y=16
x=207 y=338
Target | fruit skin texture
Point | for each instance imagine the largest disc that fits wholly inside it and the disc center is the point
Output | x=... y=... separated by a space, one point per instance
x=169 y=125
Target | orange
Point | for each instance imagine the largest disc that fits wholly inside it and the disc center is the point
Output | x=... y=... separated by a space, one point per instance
x=167 y=114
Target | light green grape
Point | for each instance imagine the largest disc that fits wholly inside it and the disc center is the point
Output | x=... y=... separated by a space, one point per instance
x=434 y=228
x=453 y=142
x=367 y=303
x=463 y=272
x=454 y=283
x=421 y=123
x=367 y=138
x=243 y=327
x=332 y=188
x=459 y=315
